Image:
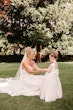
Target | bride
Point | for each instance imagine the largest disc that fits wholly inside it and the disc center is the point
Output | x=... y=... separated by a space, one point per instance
x=25 y=82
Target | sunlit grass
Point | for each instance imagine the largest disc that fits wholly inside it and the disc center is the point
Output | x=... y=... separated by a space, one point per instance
x=34 y=103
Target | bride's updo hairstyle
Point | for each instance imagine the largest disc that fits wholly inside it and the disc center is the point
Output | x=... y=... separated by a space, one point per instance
x=54 y=54
x=28 y=50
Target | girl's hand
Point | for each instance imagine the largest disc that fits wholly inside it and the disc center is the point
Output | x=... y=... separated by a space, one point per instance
x=43 y=70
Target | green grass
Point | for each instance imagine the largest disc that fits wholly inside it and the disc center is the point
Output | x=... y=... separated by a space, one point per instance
x=34 y=103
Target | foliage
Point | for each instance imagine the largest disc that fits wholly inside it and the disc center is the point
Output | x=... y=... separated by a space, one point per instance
x=45 y=22
x=7 y=48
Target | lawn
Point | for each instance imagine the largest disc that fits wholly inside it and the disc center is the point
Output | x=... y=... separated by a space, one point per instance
x=34 y=103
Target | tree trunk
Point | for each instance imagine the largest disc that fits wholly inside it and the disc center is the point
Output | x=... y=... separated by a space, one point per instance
x=39 y=47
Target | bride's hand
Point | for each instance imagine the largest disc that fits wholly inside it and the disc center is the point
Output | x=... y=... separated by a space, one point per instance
x=43 y=70
x=46 y=70
x=49 y=69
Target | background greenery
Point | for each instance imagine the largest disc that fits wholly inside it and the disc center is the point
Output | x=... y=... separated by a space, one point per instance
x=34 y=103
x=36 y=22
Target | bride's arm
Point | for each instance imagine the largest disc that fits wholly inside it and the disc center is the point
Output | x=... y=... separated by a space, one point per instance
x=39 y=69
x=49 y=69
x=29 y=70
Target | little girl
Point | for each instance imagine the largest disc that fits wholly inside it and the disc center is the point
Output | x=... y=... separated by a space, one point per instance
x=51 y=88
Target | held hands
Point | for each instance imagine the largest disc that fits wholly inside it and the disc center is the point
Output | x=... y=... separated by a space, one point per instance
x=49 y=69
x=39 y=70
x=46 y=70
x=43 y=70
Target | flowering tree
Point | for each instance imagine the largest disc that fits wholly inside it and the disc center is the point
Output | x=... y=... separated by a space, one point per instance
x=43 y=22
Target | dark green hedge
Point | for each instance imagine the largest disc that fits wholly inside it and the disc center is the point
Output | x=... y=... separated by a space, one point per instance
x=18 y=58
x=11 y=58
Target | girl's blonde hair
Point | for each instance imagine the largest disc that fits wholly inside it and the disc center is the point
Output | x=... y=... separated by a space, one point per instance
x=54 y=54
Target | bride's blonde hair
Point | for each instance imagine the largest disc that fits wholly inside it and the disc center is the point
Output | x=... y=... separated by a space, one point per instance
x=28 y=50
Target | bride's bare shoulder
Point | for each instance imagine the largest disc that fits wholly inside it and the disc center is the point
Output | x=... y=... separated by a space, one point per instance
x=25 y=63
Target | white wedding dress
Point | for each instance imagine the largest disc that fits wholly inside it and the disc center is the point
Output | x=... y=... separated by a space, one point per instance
x=23 y=84
x=51 y=88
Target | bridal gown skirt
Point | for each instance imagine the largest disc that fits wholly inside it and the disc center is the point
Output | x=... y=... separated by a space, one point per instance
x=27 y=85
x=51 y=87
